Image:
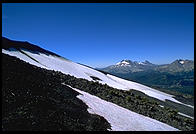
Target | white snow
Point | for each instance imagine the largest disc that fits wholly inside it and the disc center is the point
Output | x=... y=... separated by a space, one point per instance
x=142 y=63
x=21 y=56
x=147 y=90
x=118 y=63
x=121 y=119
x=185 y=115
x=51 y=62
x=123 y=63
x=68 y=67
x=161 y=105
x=181 y=62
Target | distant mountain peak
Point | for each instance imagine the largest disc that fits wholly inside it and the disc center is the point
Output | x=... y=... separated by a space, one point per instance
x=182 y=62
x=129 y=62
x=124 y=62
x=146 y=61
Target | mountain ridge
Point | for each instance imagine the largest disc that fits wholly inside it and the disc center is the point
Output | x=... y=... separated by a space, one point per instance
x=8 y=44
x=176 y=76
x=177 y=65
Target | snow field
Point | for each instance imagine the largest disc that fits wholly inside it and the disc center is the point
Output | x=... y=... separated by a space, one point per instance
x=68 y=67
x=121 y=119
x=21 y=56
x=147 y=90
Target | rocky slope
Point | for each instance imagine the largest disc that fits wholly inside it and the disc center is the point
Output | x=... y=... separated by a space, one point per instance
x=32 y=102
x=123 y=93
x=34 y=99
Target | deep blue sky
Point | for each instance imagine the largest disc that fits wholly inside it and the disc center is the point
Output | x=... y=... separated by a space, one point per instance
x=101 y=34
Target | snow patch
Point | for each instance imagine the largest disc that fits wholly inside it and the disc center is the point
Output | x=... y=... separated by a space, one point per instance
x=118 y=63
x=185 y=115
x=121 y=119
x=181 y=62
x=123 y=63
x=141 y=63
x=161 y=105
x=128 y=85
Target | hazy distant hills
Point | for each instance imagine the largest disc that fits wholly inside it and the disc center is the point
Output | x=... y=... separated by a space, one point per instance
x=176 y=76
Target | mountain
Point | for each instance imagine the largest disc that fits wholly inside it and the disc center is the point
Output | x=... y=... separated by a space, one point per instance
x=128 y=66
x=33 y=99
x=44 y=91
x=134 y=63
x=177 y=66
x=177 y=76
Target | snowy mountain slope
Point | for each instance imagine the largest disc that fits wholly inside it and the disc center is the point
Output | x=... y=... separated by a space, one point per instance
x=58 y=102
x=121 y=119
x=56 y=63
x=33 y=99
x=147 y=90
x=21 y=56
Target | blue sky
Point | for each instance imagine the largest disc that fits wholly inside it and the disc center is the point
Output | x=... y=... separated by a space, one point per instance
x=101 y=34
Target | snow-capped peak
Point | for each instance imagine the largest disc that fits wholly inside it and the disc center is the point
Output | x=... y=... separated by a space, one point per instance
x=181 y=62
x=142 y=63
x=124 y=62
x=129 y=62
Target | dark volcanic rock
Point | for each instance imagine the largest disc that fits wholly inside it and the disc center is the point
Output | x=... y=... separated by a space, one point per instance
x=34 y=99
x=7 y=44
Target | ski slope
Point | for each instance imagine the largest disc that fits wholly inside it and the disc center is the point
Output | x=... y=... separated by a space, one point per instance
x=65 y=66
x=121 y=119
